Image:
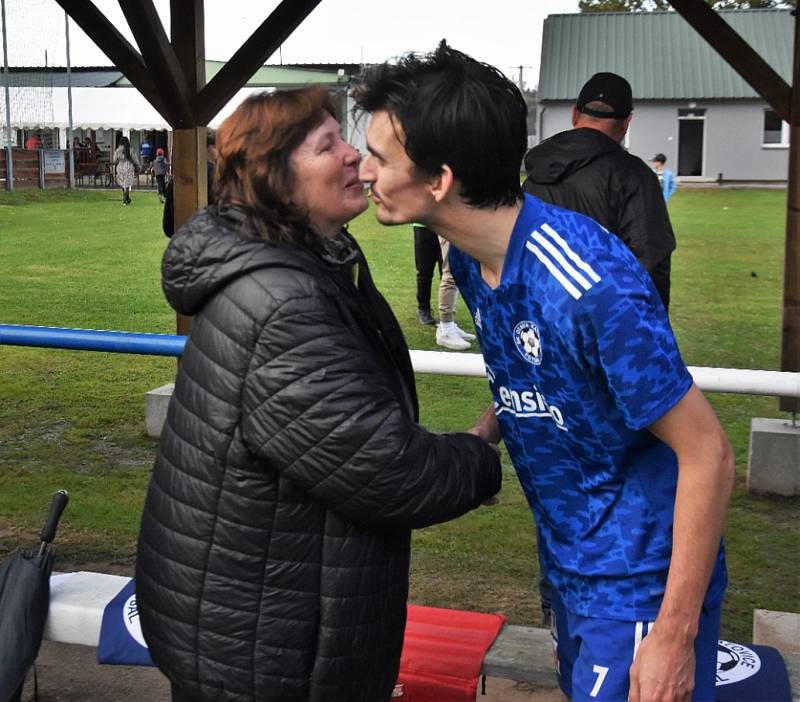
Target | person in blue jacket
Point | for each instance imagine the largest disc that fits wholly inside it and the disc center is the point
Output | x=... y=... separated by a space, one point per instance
x=624 y=464
x=665 y=176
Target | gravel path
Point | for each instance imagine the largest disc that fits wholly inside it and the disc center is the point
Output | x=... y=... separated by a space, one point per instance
x=69 y=673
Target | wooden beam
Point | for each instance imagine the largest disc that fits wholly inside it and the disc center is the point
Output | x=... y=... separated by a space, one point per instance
x=251 y=56
x=160 y=58
x=187 y=31
x=790 y=340
x=190 y=153
x=189 y=183
x=738 y=53
x=124 y=56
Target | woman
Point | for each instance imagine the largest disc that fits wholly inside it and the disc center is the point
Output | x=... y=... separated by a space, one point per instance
x=127 y=168
x=274 y=548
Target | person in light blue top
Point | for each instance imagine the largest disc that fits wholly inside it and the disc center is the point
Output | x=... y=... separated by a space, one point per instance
x=622 y=460
x=665 y=176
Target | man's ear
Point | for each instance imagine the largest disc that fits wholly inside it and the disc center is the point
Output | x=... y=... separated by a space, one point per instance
x=627 y=121
x=442 y=184
x=575 y=115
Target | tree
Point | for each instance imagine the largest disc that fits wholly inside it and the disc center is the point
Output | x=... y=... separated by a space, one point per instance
x=649 y=5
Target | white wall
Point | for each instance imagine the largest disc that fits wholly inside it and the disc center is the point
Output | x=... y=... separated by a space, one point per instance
x=733 y=137
x=737 y=147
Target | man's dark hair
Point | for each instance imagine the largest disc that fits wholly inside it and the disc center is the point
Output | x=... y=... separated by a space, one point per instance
x=457 y=111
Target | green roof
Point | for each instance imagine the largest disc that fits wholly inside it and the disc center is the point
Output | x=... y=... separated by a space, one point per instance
x=661 y=55
x=275 y=76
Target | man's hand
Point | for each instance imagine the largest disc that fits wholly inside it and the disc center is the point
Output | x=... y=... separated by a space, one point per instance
x=486 y=426
x=663 y=670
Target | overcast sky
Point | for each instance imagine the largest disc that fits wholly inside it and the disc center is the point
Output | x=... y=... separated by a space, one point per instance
x=506 y=33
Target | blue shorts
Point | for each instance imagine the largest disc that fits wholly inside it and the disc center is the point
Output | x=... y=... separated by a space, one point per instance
x=594 y=656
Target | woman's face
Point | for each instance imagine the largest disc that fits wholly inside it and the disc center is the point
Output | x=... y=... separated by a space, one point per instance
x=325 y=173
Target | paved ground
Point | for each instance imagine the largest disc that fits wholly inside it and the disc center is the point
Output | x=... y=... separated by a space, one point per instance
x=71 y=674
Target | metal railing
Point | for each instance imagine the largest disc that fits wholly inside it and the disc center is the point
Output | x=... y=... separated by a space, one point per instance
x=743 y=381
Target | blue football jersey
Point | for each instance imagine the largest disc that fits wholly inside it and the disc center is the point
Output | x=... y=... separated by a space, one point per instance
x=581 y=359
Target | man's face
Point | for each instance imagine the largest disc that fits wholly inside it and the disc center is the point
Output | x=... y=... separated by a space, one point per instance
x=400 y=193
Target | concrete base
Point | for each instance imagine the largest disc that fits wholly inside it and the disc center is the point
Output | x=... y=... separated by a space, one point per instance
x=773 y=466
x=155 y=408
x=781 y=630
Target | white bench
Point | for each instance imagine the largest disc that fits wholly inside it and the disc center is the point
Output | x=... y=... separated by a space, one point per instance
x=77 y=602
x=521 y=653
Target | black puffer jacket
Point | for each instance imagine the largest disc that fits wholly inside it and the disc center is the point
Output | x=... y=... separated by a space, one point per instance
x=585 y=171
x=274 y=547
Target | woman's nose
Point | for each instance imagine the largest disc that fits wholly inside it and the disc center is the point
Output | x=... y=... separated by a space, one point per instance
x=353 y=155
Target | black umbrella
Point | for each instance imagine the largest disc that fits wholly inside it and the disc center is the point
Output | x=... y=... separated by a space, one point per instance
x=24 y=601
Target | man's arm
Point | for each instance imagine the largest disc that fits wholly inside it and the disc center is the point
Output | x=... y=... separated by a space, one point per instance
x=672 y=186
x=642 y=218
x=663 y=670
x=487 y=428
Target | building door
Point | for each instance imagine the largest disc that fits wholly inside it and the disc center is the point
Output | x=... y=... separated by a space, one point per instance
x=691 y=129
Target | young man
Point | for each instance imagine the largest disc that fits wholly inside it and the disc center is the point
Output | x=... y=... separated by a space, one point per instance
x=623 y=462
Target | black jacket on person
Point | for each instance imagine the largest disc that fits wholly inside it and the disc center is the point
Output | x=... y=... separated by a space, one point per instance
x=275 y=541
x=585 y=171
x=168 y=214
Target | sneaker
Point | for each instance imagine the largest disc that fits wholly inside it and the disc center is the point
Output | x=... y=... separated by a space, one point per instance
x=464 y=335
x=450 y=339
x=425 y=317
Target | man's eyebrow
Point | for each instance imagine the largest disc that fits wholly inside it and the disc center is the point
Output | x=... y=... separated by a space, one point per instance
x=375 y=152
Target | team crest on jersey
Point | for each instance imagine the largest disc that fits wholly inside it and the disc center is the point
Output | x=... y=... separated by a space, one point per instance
x=478 y=319
x=528 y=341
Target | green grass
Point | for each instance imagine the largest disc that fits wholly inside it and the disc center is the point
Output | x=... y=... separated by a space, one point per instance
x=75 y=420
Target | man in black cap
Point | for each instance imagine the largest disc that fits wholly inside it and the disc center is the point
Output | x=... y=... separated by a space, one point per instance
x=585 y=169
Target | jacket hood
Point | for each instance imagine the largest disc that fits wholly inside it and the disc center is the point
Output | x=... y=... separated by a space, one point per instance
x=563 y=154
x=210 y=251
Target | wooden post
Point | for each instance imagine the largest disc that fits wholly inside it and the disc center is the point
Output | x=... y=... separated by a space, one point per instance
x=189 y=169
x=190 y=183
x=790 y=346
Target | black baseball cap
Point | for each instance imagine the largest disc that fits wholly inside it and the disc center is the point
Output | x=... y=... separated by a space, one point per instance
x=610 y=89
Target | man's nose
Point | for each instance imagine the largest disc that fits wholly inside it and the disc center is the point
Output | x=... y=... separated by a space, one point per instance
x=365 y=171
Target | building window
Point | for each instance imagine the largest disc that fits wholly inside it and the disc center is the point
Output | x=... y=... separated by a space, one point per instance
x=776 y=131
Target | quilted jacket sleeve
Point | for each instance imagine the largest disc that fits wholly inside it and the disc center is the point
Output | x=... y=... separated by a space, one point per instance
x=317 y=408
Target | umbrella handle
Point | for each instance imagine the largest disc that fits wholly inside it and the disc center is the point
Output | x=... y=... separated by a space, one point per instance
x=57 y=505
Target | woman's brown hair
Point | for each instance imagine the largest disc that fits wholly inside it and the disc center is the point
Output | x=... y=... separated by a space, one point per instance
x=254 y=172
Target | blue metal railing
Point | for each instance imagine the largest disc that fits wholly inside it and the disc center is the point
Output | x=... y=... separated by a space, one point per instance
x=92 y=340
x=735 y=380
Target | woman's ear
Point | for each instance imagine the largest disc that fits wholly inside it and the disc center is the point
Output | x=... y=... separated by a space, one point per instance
x=442 y=184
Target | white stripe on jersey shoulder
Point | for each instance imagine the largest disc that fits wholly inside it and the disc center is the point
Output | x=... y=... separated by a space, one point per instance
x=553 y=251
x=557 y=274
